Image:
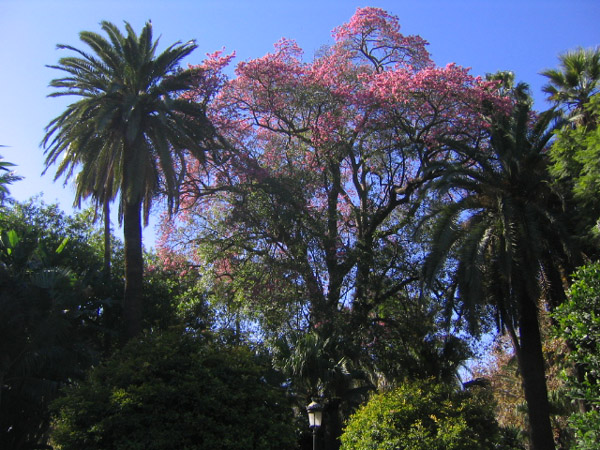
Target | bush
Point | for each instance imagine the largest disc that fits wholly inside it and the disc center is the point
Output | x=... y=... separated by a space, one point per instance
x=424 y=415
x=579 y=324
x=175 y=391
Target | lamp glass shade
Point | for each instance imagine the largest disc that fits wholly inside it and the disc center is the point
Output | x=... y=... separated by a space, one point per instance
x=315 y=418
x=315 y=415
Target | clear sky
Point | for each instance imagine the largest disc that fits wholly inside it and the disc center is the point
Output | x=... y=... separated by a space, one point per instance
x=524 y=36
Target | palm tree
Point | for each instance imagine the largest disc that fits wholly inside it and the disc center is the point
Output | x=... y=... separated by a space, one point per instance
x=130 y=132
x=574 y=87
x=575 y=82
x=507 y=240
x=7 y=176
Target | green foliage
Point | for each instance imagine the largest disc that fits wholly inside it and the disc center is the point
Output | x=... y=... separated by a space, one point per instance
x=579 y=323
x=424 y=415
x=50 y=315
x=57 y=313
x=576 y=162
x=587 y=430
x=175 y=391
x=410 y=341
x=173 y=295
x=46 y=227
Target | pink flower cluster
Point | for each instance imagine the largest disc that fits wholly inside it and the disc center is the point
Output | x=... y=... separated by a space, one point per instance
x=374 y=35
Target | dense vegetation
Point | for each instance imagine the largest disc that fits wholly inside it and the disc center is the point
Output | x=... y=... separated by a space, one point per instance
x=344 y=230
x=424 y=414
x=176 y=391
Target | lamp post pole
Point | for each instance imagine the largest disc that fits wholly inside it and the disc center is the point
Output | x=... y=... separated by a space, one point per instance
x=315 y=417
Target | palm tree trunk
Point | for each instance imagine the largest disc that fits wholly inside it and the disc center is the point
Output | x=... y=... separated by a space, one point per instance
x=107 y=249
x=531 y=364
x=134 y=267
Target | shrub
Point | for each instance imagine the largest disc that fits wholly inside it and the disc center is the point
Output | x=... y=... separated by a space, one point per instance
x=579 y=324
x=424 y=415
x=175 y=391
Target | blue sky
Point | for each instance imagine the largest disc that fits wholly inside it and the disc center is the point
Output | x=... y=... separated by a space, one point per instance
x=524 y=36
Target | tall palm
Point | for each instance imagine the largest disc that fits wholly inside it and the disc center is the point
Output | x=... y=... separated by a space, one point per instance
x=507 y=240
x=130 y=132
x=575 y=82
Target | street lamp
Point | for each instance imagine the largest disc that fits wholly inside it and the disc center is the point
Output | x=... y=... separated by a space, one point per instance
x=315 y=416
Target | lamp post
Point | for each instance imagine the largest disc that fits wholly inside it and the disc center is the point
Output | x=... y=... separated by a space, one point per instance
x=315 y=416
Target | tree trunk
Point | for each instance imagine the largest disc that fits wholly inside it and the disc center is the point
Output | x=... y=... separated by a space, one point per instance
x=107 y=249
x=333 y=426
x=531 y=364
x=134 y=267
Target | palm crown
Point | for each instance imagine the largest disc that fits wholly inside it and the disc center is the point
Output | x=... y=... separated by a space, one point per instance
x=131 y=131
x=575 y=82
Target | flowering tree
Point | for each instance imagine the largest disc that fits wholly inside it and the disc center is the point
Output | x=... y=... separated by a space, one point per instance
x=322 y=161
x=305 y=216
x=303 y=220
